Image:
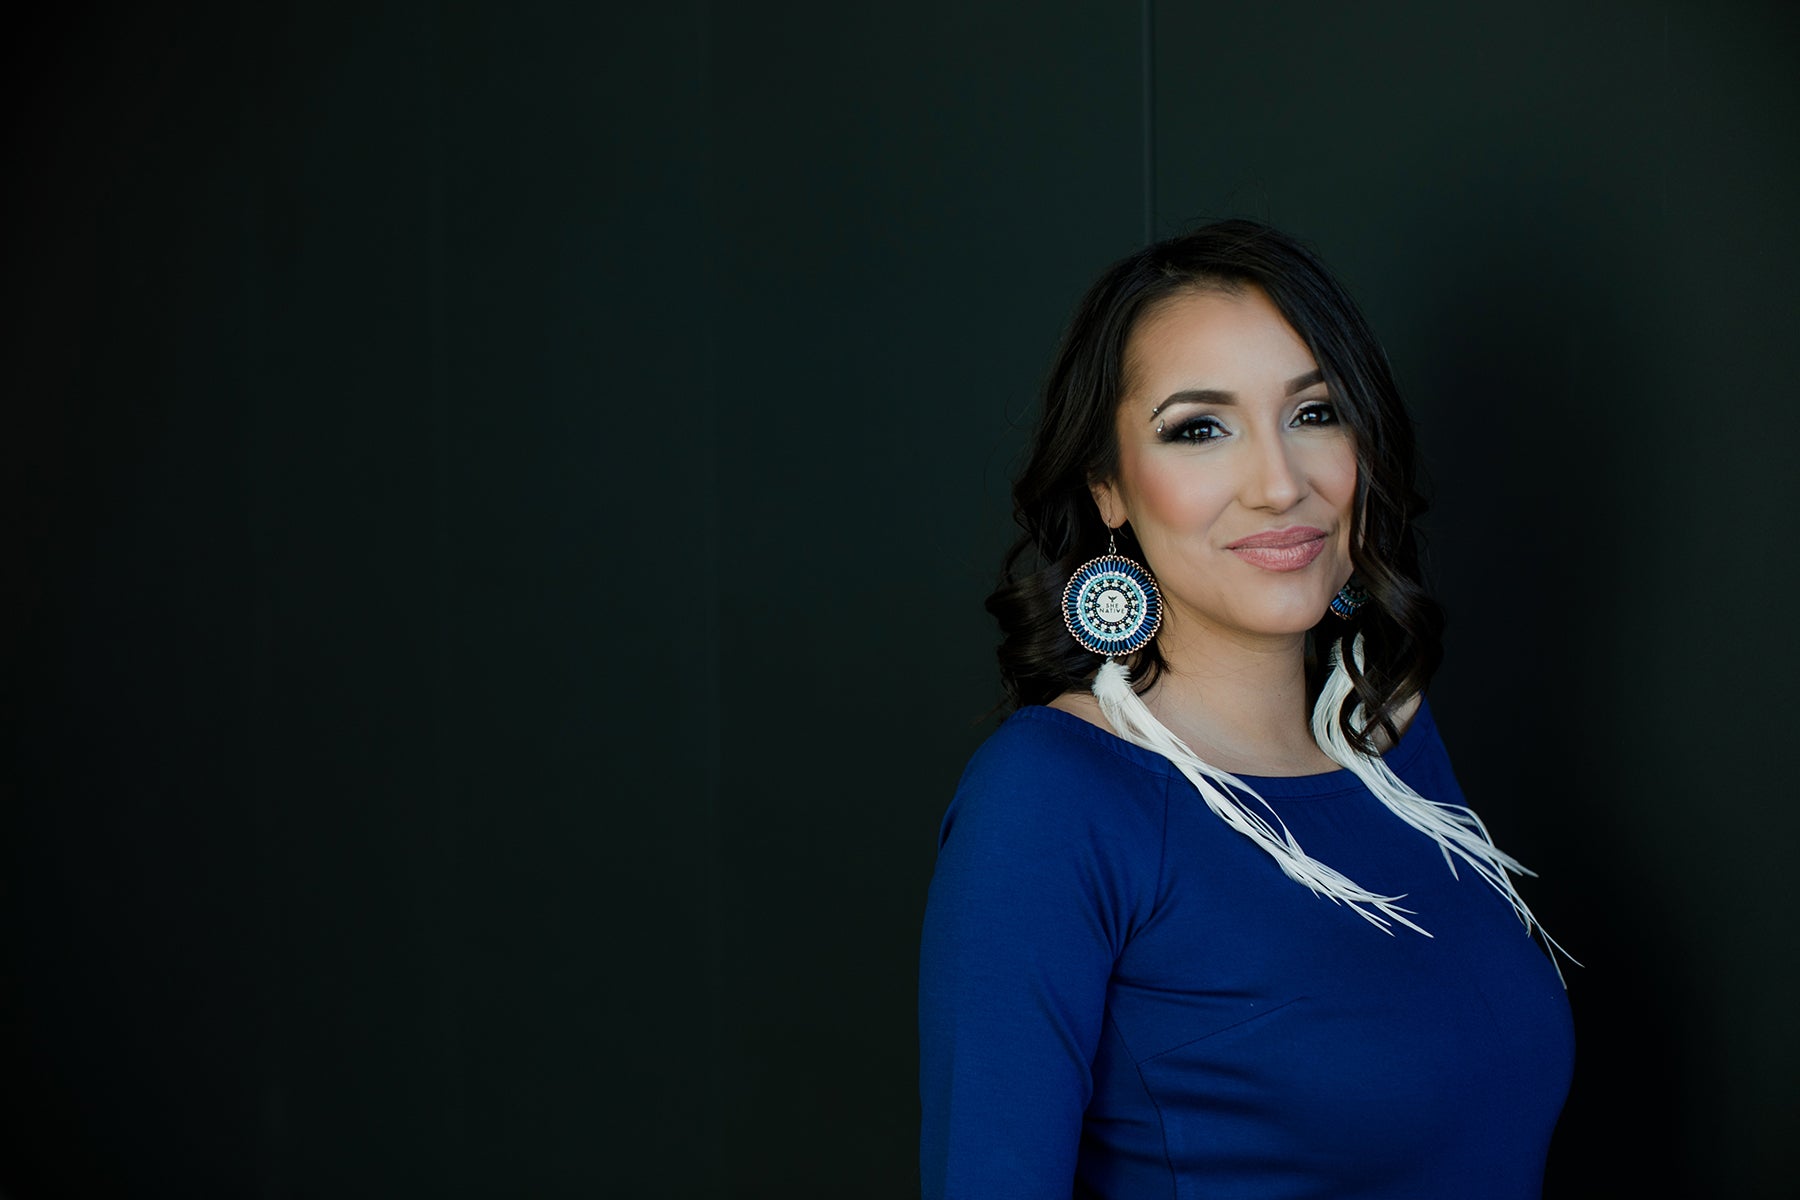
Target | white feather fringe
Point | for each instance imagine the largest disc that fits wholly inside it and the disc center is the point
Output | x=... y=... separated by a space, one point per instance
x=1132 y=720
x=1456 y=829
x=1458 y=832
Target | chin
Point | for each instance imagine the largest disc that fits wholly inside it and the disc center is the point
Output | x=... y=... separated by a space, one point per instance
x=1288 y=618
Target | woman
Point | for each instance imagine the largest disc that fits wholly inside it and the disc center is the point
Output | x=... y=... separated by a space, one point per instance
x=1209 y=917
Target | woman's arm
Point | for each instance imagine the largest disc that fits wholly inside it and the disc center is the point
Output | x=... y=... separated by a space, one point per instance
x=1044 y=869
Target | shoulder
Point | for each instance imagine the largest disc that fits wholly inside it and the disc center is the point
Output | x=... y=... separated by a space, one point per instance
x=1039 y=743
x=1055 y=824
x=1421 y=758
x=1046 y=770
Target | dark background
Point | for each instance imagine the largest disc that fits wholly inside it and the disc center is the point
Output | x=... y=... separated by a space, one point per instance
x=498 y=501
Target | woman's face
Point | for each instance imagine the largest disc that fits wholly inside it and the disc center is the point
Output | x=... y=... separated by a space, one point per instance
x=1234 y=470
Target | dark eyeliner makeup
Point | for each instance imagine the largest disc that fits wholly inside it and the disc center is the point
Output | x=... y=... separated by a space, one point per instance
x=1189 y=429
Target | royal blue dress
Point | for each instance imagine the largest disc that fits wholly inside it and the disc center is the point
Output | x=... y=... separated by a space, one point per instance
x=1121 y=997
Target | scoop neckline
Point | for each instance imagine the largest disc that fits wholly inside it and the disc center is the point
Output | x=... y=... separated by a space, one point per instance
x=1290 y=787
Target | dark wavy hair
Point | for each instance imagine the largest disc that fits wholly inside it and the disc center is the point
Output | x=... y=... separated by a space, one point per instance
x=1075 y=446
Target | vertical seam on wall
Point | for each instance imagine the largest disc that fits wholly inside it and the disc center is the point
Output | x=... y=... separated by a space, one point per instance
x=448 y=791
x=1147 y=70
x=714 y=1176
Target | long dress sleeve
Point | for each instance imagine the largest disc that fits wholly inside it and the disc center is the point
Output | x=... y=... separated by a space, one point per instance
x=1049 y=858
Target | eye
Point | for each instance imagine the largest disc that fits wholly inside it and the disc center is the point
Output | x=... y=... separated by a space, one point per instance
x=1316 y=414
x=1197 y=428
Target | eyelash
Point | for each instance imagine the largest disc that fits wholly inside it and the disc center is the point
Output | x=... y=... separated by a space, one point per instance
x=1181 y=432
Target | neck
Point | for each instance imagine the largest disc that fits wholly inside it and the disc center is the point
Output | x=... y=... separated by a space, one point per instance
x=1238 y=701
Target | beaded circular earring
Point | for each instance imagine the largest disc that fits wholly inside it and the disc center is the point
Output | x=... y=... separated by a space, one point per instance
x=1348 y=600
x=1111 y=604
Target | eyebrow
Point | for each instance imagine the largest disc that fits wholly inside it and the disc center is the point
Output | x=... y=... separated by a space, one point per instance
x=1298 y=383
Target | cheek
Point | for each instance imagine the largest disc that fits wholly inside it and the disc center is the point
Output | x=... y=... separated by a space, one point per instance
x=1334 y=476
x=1337 y=483
x=1169 y=492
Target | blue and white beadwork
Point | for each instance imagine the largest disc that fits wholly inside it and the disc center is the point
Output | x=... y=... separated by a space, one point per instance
x=1348 y=600
x=1111 y=605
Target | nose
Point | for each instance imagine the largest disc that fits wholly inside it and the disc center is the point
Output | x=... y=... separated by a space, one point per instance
x=1274 y=479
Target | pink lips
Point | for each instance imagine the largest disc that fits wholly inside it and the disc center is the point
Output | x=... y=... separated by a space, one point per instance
x=1281 y=549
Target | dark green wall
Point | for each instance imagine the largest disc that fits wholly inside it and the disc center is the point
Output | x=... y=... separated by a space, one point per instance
x=1573 y=225
x=499 y=499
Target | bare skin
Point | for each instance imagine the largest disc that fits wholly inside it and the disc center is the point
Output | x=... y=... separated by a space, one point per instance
x=1226 y=432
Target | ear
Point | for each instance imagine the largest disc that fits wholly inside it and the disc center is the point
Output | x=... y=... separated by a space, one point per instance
x=1110 y=503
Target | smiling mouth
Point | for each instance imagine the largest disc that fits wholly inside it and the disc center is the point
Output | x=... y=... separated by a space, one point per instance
x=1283 y=550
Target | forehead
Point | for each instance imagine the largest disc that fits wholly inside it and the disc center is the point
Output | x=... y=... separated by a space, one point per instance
x=1234 y=341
